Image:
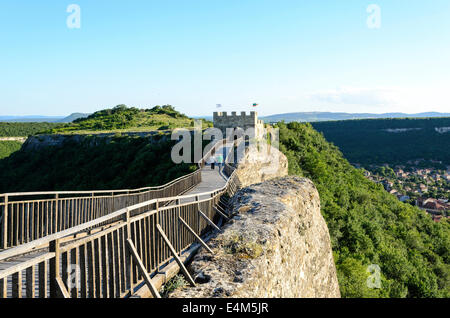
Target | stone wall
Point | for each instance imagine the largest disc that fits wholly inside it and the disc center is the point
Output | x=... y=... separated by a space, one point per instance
x=261 y=163
x=277 y=245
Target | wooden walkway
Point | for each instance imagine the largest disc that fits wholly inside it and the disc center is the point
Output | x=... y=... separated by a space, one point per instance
x=212 y=179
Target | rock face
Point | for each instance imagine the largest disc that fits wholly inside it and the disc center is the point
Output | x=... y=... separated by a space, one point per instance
x=260 y=164
x=277 y=245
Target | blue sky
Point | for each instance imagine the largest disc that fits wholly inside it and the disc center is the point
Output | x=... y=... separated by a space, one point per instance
x=286 y=55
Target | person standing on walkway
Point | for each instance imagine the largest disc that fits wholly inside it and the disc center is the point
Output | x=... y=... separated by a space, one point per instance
x=219 y=161
x=213 y=162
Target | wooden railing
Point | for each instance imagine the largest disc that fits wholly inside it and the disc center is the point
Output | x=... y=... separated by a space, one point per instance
x=115 y=260
x=111 y=254
x=28 y=216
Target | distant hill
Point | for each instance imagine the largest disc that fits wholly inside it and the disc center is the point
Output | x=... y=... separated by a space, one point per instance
x=42 y=119
x=327 y=116
x=28 y=119
x=72 y=117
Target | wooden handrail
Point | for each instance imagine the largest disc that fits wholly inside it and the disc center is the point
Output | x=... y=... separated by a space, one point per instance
x=14 y=251
x=137 y=222
x=85 y=246
x=125 y=191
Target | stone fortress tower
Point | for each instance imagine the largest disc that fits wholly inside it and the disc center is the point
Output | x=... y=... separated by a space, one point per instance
x=223 y=121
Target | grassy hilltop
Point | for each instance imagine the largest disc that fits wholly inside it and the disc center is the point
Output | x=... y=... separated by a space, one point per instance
x=124 y=119
x=120 y=119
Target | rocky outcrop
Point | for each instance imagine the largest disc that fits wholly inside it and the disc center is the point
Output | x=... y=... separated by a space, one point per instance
x=277 y=245
x=20 y=139
x=260 y=163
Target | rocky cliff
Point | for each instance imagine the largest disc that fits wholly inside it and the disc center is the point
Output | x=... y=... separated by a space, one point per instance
x=276 y=245
x=37 y=142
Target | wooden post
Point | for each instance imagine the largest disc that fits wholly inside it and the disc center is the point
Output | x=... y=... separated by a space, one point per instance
x=197 y=198
x=113 y=202
x=54 y=269
x=128 y=269
x=3 y=288
x=209 y=221
x=175 y=255
x=127 y=219
x=221 y=213
x=142 y=269
x=179 y=242
x=62 y=288
x=5 y=223
x=91 y=214
x=195 y=234
x=56 y=212
x=157 y=241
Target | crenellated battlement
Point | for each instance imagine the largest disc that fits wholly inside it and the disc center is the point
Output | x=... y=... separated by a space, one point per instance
x=224 y=121
x=225 y=115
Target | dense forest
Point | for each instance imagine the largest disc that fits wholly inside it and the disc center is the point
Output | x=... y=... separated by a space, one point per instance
x=369 y=226
x=24 y=129
x=8 y=147
x=391 y=141
x=95 y=164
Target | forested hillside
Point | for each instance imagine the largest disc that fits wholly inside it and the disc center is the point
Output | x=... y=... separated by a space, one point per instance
x=369 y=226
x=392 y=141
x=95 y=164
x=327 y=116
x=24 y=129
x=8 y=147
